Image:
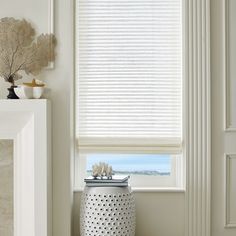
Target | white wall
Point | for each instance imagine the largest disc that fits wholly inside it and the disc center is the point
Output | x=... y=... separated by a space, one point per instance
x=223 y=118
x=157 y=213
x=59 y=80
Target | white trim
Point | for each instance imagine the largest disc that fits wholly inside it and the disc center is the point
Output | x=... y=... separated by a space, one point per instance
x=8 y=134
x=146 y=183
x=80 y=170
x=146 y=145
x=51 y=25
x=131 y=149
x=228 y=222
x=51 y=17
x=198 y=123
x=29 y=122
x=227 y=114
x=132 y=145
x=147 y=190
x=184 y=97
x=165 y=142
x=73 y=148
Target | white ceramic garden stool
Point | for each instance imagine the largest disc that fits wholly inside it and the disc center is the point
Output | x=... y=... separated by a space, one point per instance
x=107 y=211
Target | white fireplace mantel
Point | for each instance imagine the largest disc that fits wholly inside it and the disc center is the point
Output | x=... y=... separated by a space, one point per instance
x=28 y=123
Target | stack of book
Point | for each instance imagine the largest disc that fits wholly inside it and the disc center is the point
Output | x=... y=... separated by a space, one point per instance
x=116 y=181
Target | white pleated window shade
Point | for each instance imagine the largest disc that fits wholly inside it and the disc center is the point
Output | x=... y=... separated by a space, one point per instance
x=129 y=74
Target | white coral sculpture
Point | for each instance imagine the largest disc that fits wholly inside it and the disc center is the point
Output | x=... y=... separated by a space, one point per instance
x=96 y=170
x=21 y=50
x=109 y=172
x=102 y=169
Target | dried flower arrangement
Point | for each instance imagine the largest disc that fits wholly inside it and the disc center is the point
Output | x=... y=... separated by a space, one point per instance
x=21 y=50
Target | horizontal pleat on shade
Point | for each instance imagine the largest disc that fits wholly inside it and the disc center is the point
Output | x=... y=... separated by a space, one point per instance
x=129 y=72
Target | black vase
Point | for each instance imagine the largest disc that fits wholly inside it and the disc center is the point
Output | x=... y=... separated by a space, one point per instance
x=12 y=94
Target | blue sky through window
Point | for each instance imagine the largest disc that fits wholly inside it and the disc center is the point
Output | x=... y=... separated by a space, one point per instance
x=133 y=162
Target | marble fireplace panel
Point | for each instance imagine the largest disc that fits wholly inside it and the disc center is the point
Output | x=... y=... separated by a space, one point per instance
x=6 y=187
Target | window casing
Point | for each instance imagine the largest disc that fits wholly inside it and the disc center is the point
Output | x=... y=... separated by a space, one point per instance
x=129 y=82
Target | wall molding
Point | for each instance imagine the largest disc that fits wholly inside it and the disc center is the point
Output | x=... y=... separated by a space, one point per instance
x=228 y=161
x=28 y=123
x=227 y=101
x=51 y=25
x=198 y=118
x=51 y=17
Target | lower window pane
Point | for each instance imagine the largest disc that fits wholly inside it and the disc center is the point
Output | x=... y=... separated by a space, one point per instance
x=147 y=171
x=133 y=164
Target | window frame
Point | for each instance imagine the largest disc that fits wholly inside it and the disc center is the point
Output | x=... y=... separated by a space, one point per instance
x=178 y=165
x=174 y=182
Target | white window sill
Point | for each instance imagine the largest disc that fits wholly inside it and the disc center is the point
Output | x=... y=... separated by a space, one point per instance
x=138 y=190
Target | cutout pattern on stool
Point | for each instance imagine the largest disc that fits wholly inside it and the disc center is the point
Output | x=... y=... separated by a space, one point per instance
x=107 y=214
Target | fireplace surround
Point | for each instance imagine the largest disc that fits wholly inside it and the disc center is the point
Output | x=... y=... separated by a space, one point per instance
x=28 y=124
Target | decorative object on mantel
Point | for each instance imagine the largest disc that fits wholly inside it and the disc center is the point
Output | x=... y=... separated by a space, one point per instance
x=35 y=83
x=21 y=50
x=35 y=89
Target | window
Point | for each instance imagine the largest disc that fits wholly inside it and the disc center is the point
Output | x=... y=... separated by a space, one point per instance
x=129 y=88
